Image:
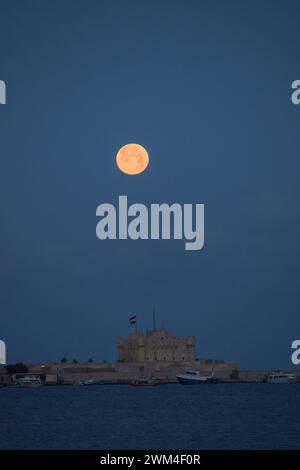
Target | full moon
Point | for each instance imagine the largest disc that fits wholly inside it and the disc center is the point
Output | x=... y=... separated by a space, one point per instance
x=132 y=159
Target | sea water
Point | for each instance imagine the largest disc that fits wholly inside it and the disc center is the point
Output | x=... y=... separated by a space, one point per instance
x=215 y=416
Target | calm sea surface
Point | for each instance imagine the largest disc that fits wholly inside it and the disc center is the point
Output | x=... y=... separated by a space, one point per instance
x=218 y=416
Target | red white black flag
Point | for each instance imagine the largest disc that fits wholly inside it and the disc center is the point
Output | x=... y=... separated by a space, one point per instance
x=132 y=319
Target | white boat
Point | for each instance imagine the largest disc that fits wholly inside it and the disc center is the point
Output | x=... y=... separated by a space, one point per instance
x=87 y=382
x=195 y=378
x=281 y=378
x=29 y=381
x=145 y=382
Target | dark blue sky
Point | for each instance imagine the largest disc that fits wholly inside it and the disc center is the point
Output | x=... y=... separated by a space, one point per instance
x=205 y=87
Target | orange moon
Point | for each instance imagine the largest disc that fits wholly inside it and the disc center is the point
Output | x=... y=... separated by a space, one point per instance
x=132 y=159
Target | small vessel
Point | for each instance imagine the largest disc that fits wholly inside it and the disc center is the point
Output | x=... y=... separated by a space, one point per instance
x=87 y=382
x=29 y=381
x=195 y=378
x=281 y=378
x=145 y=382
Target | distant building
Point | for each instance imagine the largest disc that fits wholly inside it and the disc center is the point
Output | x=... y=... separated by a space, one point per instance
x=156 y=345
x=2 y=352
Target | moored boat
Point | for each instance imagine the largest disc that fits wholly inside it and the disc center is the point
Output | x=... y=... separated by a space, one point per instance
x=195 y=378
x=145 y=382
x=29 y=381
x=86 y=382
x=281 y=378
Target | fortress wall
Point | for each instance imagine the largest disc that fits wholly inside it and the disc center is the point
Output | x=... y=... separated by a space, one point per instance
x=127 y=371
x=123 y=372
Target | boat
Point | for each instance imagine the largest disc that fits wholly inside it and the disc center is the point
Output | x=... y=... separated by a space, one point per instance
x=29 y=381
x=86 y=382
x=145 y=382
x=281 y=378
x=191 y=377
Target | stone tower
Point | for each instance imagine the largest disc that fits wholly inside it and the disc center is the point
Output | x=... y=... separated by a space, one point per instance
x=156 y=345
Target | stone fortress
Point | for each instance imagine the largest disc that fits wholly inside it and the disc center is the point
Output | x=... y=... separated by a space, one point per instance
x=154 y=353
x=156 y=345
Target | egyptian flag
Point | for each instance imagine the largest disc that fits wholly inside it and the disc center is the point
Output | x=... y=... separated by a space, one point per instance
x=132 y=320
